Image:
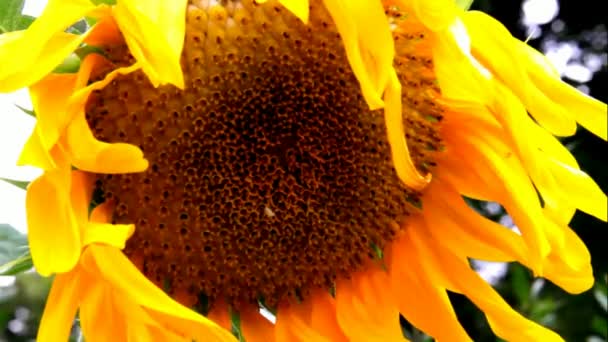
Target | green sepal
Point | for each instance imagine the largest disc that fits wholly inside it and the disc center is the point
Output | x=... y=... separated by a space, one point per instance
x=464 y=4
x=20 y=184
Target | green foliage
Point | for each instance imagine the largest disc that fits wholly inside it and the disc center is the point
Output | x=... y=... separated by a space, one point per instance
x=11 y=18
x=14 y=252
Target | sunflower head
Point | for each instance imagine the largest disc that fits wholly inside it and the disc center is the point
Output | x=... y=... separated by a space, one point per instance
x=303 y=157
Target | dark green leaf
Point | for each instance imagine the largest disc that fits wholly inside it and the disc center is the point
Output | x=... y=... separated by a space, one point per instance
x=20 y=184
x=11 y=18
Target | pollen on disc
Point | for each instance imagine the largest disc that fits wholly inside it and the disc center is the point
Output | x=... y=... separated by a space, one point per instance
x=269 y=176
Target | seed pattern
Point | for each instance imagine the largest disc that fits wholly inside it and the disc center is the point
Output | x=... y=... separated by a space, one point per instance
x=269 y=176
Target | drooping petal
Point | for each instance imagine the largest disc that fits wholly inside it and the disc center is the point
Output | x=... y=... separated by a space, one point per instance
x=34 y=153
x=465 y=232
x=293 y=324
x=155 y=31
x=368 y=42
x=101 y=318
x=323 y=316
x=90 y=154
x=453 y=273
x=53 y=232
x=406 y=170
x=61 y=306
x=21 y=51
x=355 y=296
x=497 y=50
x=122 y=275
x=424 y=303
x=435 y=15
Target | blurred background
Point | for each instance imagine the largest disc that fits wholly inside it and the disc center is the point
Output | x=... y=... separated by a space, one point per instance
x=572 y=33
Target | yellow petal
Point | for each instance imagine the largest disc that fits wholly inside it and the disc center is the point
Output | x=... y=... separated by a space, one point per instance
x=110 y=234
x=92 y=155
x=454 y=273
x=579 y=189
x=368 y=42
x=406 y=170
x=49 y=98
x=422 y=302
x=465 y=232
x=97 y=306
x=187 y=328
x=293 y=324
x=122 y=275
x=436 y=15
x=81 y=193
x=498 y=51
x=155 y=31
x=35 y=154
x=299 y=8
x=587 y=111
x=355 y=296
x=27 y=56
x=324 y=318
x=53 y=232
x=60 y=308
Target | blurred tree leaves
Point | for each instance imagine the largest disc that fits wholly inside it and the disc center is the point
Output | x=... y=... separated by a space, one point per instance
x=11 y=18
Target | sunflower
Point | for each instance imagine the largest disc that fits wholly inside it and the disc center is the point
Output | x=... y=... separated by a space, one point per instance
x=308 y=158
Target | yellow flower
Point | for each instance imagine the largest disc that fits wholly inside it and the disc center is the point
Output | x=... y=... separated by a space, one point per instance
x=303 y=156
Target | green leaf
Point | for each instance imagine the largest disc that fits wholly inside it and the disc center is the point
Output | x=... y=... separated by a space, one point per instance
x=19 y=265
x=11 y=18
x=12 y=243
x=464 y=4
x=20 y=184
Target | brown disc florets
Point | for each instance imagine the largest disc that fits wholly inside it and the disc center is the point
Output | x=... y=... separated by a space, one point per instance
x=269 y=176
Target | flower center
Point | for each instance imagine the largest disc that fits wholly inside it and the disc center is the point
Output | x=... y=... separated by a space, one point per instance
x=269 y=176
